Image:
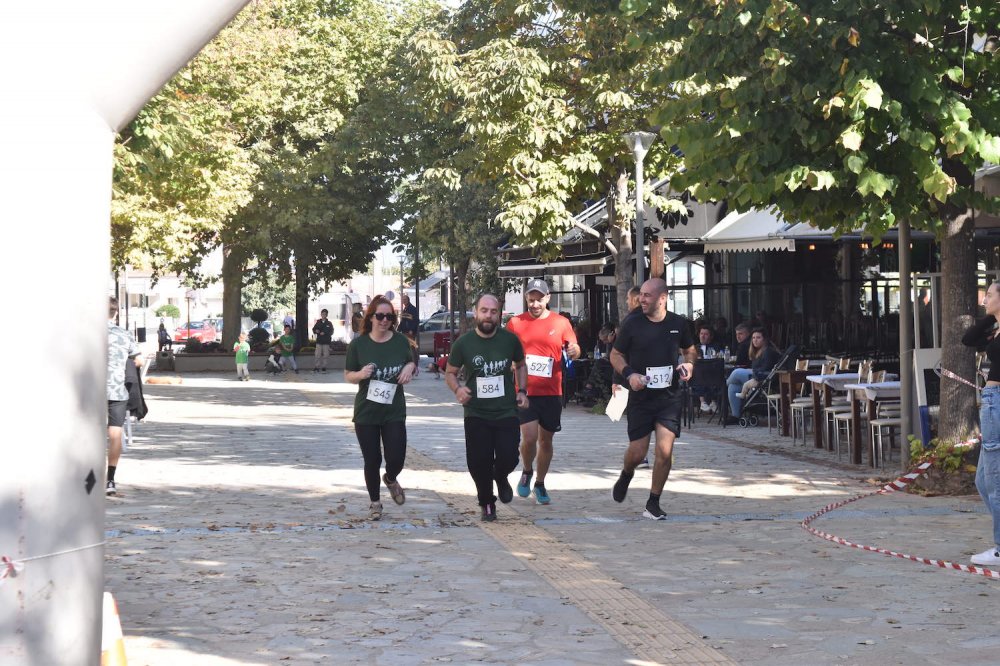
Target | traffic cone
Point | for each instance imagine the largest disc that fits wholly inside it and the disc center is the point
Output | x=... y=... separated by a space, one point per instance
x=112 y=641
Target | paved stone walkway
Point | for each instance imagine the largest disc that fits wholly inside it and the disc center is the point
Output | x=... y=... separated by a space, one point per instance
x=239 y=537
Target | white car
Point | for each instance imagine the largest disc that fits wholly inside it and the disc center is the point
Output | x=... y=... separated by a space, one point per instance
x=436 y=323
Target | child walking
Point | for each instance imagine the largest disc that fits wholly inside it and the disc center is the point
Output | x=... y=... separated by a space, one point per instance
x=242 y=349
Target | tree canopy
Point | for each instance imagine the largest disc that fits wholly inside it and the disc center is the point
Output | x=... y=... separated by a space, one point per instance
x=846 y=115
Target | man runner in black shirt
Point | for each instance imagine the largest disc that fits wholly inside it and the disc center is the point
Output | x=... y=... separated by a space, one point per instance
x=646 y=354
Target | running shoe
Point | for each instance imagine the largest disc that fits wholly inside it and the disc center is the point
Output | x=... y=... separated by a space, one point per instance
x=654 y=512
x=489 y=512
x=504 y=491
x=644 y=463
x=395 y=490
x=987 y=558
x=110 y=488
x=621 y=486
x=541 y=495
x=524 y=485
x=375 y=511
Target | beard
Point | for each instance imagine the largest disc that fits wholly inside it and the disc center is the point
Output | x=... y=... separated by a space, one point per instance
x=486 y=326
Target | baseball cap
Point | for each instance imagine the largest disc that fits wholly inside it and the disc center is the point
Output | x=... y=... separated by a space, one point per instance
x=539 y=285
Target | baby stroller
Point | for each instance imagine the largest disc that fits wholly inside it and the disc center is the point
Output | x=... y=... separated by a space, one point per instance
x=750 y=412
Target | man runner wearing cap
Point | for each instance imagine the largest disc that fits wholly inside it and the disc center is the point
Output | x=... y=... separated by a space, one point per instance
x=543 y=334
x=645 y=354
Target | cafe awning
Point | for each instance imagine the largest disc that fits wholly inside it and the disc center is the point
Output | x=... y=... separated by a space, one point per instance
x=750 y=231
x=594 y=266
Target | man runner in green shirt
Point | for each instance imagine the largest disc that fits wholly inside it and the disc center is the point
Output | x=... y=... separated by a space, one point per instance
x=490 y=355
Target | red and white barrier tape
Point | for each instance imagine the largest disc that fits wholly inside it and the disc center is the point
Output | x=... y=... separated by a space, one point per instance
x=951 y=375
x=893 y=486
x=9 y=567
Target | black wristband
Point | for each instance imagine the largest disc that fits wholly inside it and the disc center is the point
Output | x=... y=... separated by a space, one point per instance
x=524 y=391
x=627 y=372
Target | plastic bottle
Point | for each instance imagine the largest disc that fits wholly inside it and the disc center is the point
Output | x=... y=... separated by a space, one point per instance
x=597 y=352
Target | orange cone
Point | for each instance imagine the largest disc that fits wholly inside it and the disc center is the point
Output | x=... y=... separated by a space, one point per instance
x=112 y=641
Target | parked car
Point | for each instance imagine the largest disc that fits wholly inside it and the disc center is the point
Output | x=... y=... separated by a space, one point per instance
x=217 y=325
x=436 y=323
x=197 y=330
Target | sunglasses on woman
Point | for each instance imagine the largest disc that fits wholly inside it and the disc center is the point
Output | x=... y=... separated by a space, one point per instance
x=383 y=315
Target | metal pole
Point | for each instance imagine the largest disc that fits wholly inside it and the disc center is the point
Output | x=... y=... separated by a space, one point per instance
x=640 y=244
x=905 y=344
x=416 y=289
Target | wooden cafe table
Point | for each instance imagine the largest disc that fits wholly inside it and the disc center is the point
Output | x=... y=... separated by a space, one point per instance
x=789 y=382
x=870 y=393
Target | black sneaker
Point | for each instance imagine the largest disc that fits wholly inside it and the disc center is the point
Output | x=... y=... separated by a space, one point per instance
x=490 y=512
x=315 y=369
x=504 y=491
x=110 y=488
x=621 y=486
x=654 y=512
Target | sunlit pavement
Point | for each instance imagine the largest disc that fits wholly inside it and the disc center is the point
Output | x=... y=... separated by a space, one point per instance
x=240 y=537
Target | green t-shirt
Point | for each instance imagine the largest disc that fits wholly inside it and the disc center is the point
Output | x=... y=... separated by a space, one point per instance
x=287 y=345
x=485 y=359
x=389 y=358
x=242 y=350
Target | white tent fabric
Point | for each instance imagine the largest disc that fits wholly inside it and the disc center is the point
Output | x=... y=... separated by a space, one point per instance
x=748 y=232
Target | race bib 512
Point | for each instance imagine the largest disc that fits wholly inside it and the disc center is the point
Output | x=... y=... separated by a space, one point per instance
x=659 y=377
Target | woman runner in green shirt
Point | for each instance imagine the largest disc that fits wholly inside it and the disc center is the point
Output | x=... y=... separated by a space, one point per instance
x=379 y=360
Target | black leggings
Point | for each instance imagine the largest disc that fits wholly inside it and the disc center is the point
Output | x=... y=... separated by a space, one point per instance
x=491 y=452
x=373 y=438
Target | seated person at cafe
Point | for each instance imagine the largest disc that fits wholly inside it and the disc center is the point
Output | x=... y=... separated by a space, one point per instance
x=763 y=358
x=707 y=349
x=598 y=384
x=606 y=338
x=742 y=345
x=706 y=342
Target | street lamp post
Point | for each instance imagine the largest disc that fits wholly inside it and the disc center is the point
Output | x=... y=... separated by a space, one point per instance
x=639 y=143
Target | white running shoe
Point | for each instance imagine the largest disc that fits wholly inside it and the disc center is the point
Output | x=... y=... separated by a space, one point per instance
x=987 y=558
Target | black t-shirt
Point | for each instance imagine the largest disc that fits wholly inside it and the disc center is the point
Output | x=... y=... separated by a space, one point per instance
x=982 y=335
x=743 y=354
x=323 y=328
x=646 y=344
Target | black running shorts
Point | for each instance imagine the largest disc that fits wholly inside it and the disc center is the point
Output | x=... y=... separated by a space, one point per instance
x=546 y=409
x=645 y=411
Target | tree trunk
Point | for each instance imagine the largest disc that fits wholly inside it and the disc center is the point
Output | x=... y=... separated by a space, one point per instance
x=302 y=264
x=621 y=238
x=462 y=294
x=958 y=417
x=232 y=294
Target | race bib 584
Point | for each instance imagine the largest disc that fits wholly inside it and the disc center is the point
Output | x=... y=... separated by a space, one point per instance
x=489 y=387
